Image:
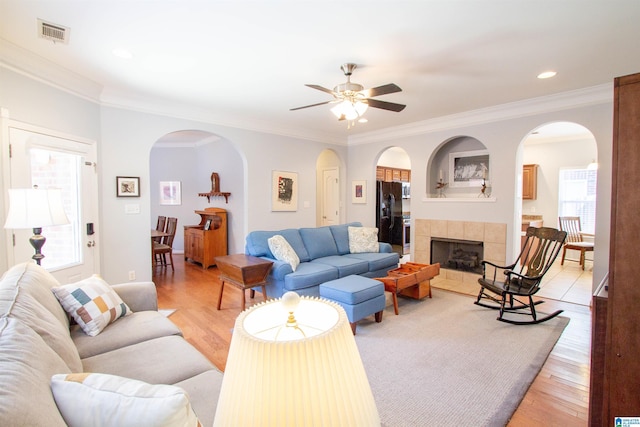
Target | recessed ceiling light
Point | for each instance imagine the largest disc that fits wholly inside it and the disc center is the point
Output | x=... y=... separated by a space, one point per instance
x=547 y=74
x=122 y=53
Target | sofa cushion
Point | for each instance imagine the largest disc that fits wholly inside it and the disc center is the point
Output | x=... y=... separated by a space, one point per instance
x=345 y=266
x=203 y=390
x=89 y=399
x=135 y=328
x=363 y=240
x=257 y=243
x=18 y=300
x=309 y=274
x=378 y=261
x=26 y=366
x=319 y=242
x=151 y=361
x=92 y=304
x=282 y=250
x=341 y=236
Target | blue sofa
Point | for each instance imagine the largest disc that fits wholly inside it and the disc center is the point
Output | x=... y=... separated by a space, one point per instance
x=324 y=255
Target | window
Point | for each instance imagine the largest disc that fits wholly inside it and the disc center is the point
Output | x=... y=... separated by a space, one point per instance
x=577 y=196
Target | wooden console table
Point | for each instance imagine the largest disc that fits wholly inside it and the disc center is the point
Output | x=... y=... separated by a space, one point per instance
x=244 y=272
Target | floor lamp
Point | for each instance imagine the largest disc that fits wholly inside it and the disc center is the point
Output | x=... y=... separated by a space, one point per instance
x=295 y=370
x=34 y=208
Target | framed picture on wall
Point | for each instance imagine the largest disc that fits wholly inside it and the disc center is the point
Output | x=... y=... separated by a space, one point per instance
x=284 y=191
x=170 y=193
x=127 y=186
x=359 y=192
x=469 y=168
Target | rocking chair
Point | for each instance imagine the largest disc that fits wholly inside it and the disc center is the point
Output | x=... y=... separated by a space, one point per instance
x=523 y=277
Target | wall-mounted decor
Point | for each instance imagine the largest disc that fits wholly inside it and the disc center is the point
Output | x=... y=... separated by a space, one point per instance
x=170 y=193
x=359 y=192
x=215 y=189
x=469 y=168
x=128 y=186
x=284 y=191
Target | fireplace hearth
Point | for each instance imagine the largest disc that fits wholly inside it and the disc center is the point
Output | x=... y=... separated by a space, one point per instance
x=460 y=255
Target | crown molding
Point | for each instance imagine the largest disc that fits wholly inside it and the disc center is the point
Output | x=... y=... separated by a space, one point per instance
x=600 y=94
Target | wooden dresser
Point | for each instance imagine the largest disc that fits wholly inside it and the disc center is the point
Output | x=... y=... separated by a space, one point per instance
x=207 y=240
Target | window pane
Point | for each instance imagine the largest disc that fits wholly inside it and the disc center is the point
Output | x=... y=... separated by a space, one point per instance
x=54 y=169
x=577 y=196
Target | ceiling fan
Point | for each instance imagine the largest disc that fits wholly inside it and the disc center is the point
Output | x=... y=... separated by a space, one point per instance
x=353 y=99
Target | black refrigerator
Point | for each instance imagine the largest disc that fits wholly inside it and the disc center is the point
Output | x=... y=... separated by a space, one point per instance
x=389 y=212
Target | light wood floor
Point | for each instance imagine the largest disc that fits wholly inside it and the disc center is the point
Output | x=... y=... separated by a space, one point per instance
x=559 y=396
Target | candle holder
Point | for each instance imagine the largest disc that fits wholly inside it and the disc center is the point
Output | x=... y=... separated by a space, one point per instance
x=484 y=190
x=440 y=188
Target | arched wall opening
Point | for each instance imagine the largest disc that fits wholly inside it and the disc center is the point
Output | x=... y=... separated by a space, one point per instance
x=187 y=158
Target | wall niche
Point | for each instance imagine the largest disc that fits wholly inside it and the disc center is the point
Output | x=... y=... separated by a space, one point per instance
x=470 y=158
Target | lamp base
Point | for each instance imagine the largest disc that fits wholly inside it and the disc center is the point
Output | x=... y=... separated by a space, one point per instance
x=37 y=241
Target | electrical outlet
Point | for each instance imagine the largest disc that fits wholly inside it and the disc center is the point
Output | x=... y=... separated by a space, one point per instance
x=132 y=275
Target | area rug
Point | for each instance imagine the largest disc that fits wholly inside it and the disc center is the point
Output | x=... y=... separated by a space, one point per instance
x=446 y=361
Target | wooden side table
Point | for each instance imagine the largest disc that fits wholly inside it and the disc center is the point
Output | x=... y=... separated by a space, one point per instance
x=244 y=272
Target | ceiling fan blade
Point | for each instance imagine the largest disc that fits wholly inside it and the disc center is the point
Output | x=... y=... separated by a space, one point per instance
x=381 y=90
x=391 y=106
x=312 y=105
x=323 y=89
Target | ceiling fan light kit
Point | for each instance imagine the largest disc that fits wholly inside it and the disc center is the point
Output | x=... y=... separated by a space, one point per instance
x=352 y=99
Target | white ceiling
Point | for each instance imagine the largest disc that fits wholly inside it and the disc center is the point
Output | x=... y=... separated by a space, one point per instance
x=245 y=63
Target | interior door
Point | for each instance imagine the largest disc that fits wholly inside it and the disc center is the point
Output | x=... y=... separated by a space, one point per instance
x=330 y=197
x=40 y=157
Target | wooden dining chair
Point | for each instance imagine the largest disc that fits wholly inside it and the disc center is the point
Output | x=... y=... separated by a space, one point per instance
x=160 y=250
x=575 y=238
x=160 y=226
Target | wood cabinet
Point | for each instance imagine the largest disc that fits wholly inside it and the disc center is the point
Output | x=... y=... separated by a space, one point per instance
x=529 y=182
x=384 y=173
x=615 y=360
x=207 y=240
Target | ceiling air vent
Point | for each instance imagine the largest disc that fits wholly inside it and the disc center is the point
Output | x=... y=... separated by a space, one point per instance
x=53 y=32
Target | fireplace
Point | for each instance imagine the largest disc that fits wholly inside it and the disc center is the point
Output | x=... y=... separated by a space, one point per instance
x=454 y=254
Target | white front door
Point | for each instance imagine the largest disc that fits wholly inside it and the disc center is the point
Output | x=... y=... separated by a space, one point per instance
x=49 y=160
x=330 y=197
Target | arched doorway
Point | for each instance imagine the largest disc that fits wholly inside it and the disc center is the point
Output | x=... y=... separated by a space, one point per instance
x=562 y=160
x=393 y=199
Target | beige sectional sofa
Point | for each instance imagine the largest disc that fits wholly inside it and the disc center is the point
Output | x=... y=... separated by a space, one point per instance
x=38 y=342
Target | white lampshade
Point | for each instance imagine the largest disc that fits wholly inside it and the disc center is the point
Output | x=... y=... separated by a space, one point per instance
x=349 y=109
x=34 y=208
x=280 y=378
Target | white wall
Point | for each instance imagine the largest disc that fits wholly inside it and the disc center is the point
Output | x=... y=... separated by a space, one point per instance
x=125 y=139
x=503 y=139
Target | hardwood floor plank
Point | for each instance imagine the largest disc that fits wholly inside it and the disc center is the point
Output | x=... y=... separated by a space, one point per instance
x=559 y=396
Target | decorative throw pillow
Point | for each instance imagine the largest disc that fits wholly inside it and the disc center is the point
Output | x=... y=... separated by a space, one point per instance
x=282 y=250
x=92 y=304
x=363 y=239
x=86 y=399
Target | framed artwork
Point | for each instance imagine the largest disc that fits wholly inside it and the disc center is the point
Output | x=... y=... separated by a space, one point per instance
x=469 y=168
x=359 y=192
x=207 y=224
x=127 y=186
x=170 y=193
x=284 y=191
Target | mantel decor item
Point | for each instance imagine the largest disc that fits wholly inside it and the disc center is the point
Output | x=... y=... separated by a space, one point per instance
x=170 y=193
x=127 y=186
x=294 y=362
x=359 y=192
x=34 y=208
x=284 y=191
x=215 y=189
x=469 y=168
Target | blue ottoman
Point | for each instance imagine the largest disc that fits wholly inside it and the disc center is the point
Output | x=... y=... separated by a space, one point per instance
x=359 y=296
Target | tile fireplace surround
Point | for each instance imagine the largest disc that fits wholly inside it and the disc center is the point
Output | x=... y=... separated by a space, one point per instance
x=493 y=236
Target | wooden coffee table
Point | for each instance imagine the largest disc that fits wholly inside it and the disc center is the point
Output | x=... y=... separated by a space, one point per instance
x=410 y=279
x=244 y=272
